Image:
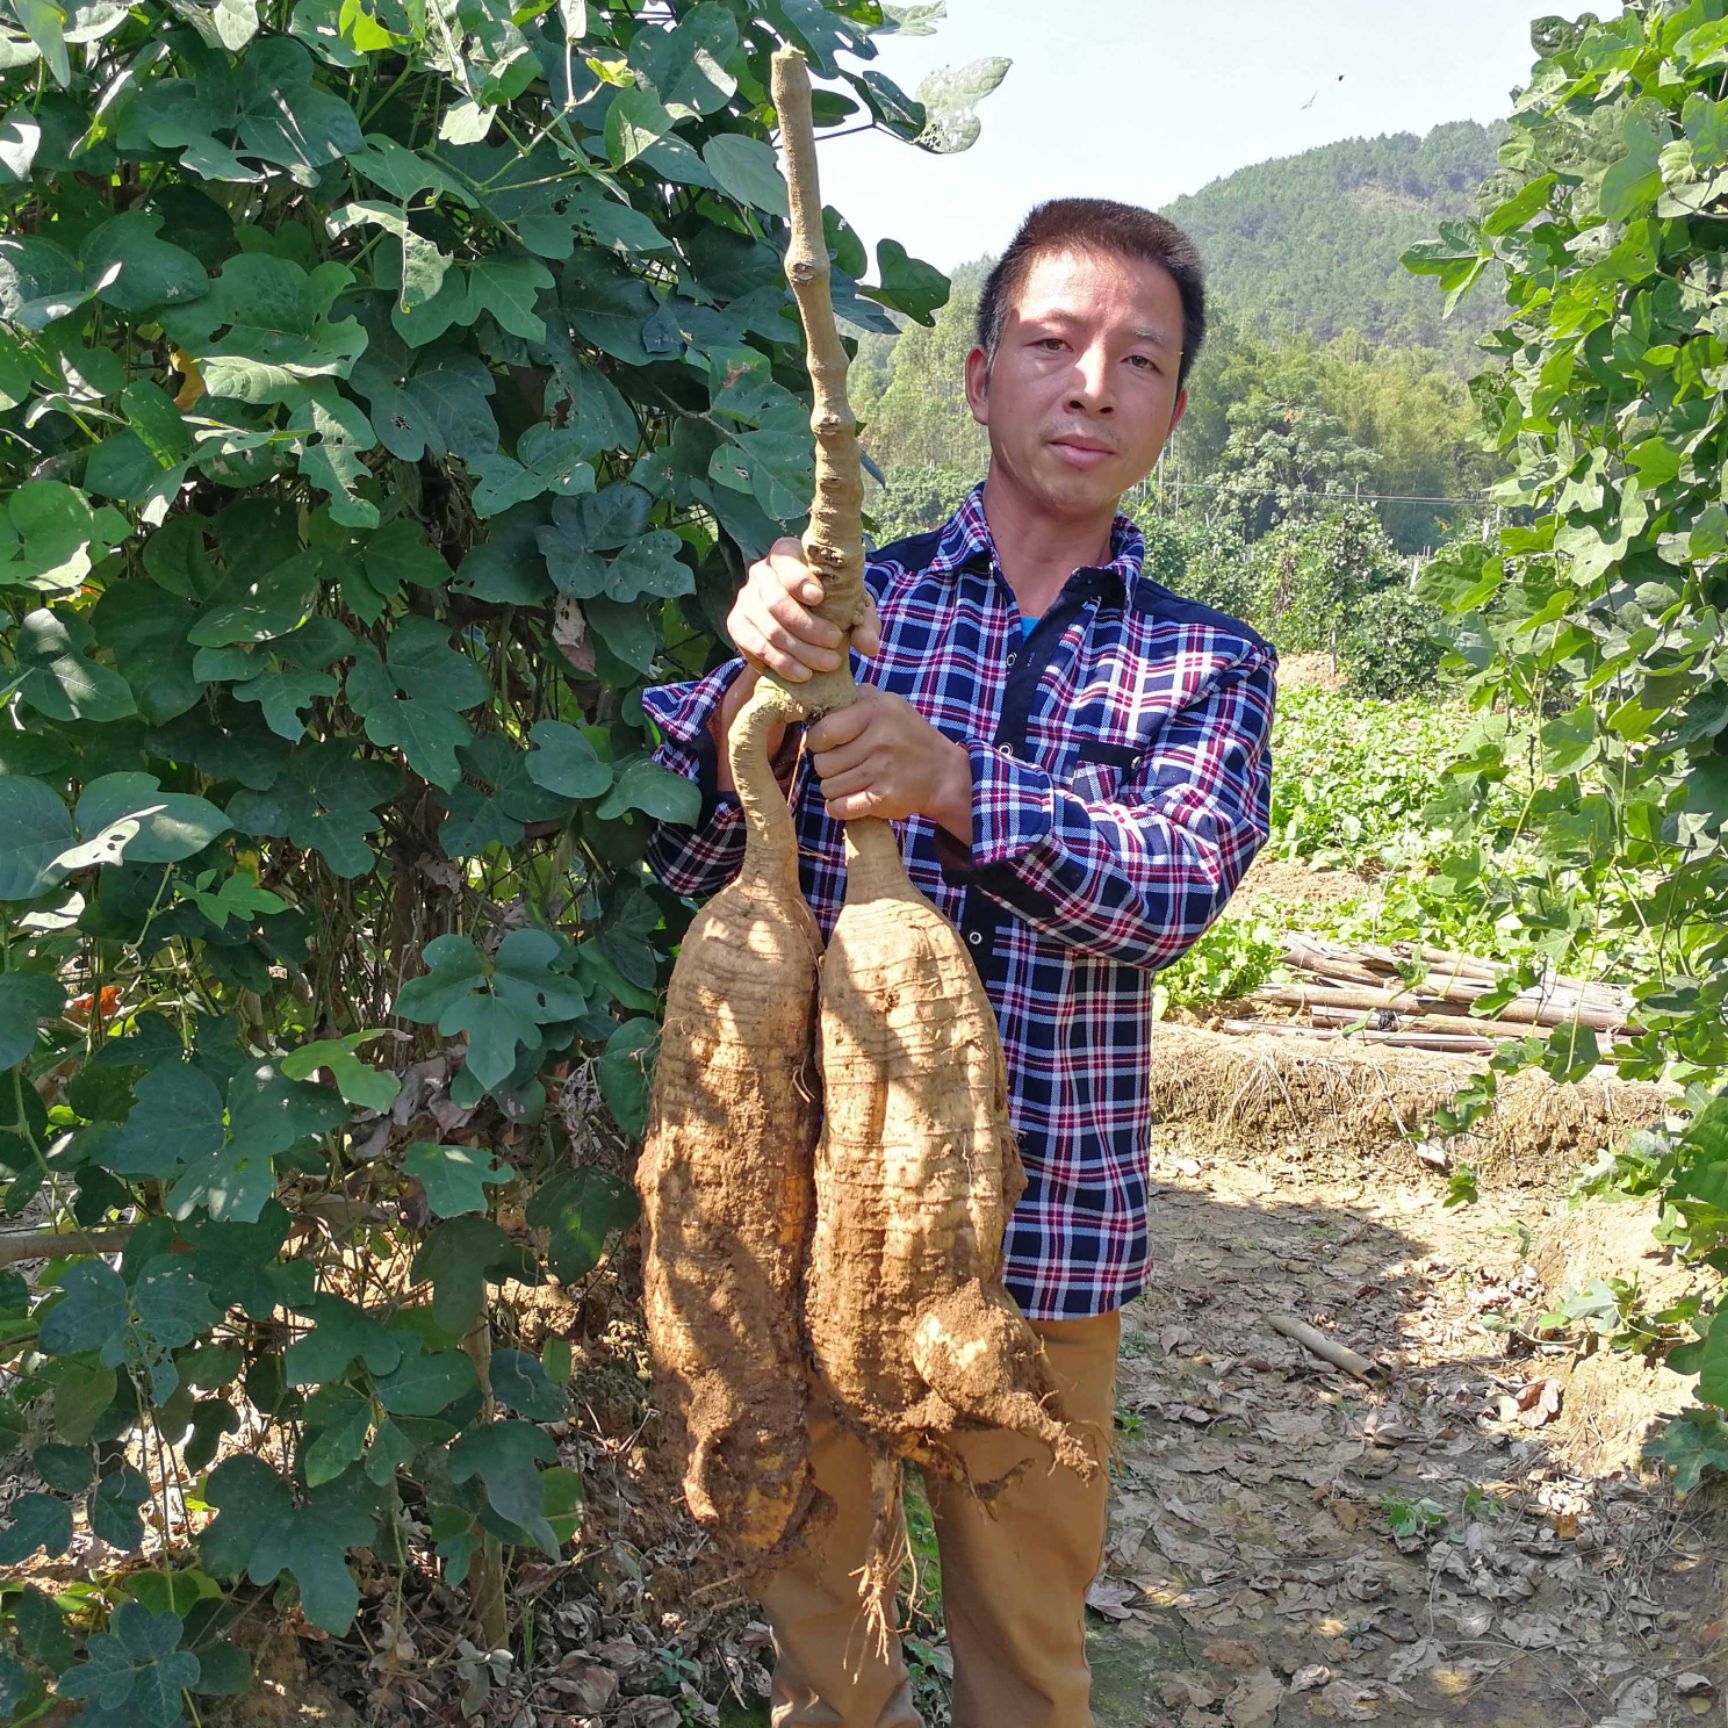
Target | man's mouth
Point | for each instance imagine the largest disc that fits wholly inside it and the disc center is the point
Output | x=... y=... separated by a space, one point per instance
x=1082 y=452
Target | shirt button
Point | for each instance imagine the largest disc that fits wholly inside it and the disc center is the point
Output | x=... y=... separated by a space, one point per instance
x=976 y=937
x=1013 y=657
x=1005 y=749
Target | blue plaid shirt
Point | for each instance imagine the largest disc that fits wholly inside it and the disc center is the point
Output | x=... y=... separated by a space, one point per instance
x=1121 y=786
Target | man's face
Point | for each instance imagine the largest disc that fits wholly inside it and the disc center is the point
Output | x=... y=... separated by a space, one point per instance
x=1082 y=392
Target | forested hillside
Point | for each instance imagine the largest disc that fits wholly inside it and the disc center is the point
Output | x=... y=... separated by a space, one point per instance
x=1311 y=243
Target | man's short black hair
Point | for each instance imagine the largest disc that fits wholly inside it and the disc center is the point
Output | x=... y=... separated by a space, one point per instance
x=1096 y=225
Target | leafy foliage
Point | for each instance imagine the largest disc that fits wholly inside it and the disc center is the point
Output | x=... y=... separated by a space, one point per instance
x=389 y=396
x=1596 y=610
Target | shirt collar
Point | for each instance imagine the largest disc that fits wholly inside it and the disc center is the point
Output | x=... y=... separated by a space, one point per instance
x=964 y=544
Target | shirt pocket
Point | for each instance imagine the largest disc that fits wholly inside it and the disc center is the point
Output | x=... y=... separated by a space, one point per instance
x=1101 y=769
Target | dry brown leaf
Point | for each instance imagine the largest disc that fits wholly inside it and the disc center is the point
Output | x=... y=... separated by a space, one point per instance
x=1535 y=1402
x=1112 y=1597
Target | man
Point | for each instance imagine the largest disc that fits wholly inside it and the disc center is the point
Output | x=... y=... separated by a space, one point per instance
x=1078 y=761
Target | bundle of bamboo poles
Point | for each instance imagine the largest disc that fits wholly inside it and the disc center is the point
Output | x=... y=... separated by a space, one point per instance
x=1364 y=990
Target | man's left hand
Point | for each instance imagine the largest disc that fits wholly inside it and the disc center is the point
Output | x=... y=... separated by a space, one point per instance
x=879 y=757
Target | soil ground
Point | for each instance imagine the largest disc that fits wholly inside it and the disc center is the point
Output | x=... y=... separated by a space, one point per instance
x=1289 y=1545
x=1254 y=1572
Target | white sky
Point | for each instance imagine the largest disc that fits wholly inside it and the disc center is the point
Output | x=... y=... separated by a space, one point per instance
x=1144 y=100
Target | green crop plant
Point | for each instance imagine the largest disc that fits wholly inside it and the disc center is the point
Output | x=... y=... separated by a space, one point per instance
x=1587 y=628
x=389 y=391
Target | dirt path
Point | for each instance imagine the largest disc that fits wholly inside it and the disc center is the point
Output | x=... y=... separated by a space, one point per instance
x=1254 y=1576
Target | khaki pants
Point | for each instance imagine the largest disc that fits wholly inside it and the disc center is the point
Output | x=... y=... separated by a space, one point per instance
x=1014 y=1575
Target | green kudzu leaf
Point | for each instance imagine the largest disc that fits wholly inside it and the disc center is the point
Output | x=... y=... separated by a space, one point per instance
x=391 y=1450
x=233 y=1186
x=178 y=825
x=427 y=1385
x=256 y=607
x=343 y=1335
x=26 y=999
x=60 y=538
x=173 y=1306
x=339 y=1420
x=505 y=1456
x=67 y=1469
x=177 y=1121
x=548 y=459
x=523 y=974
x=35 y=828
x=454 y=967
x=624 y=1070
x=747 y=170
x=368 y=1087
x=261 y=1533
x=83 y=1392
x=147 y=634
x=62 y=682
x=38 y=1521
x=634 y=121
x=136 y=1669
x=325 y=801
x=224 y=1671
x=15 y=1683
x=92 y=1313
x=690 y=64
x=269 y=1111
x=1694 y=1440
x=519 y=1382
x=42 y=1629
x=579 y=1209
x=455 y=1177
x=499 y=1005
x=908 y=285
x=40 y=282
x=113 y=1508
x=644 y=785
x=564 y=762
x=649 y=568
x=131 y=268
x=458 y=1257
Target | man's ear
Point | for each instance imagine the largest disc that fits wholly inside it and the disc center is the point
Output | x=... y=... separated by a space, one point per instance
x=1181 y=408
x=978 y=385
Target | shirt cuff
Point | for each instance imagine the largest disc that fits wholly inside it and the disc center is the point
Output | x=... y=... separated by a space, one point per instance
x=1013 y=812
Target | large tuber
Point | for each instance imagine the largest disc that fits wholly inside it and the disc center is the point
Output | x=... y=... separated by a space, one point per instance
x=725 y=1175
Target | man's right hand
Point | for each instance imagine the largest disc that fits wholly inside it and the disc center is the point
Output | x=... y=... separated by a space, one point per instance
x=772 y=625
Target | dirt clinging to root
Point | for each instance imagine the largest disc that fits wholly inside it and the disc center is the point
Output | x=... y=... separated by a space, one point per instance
x=916 y=1175
x=725 y=1180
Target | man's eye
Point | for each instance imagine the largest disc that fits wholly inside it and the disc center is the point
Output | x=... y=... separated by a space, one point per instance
x=1144 y=362
x=1048 y=342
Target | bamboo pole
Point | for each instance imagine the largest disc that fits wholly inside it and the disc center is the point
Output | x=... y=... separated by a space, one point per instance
x=1444 y=1024
x=1454 y=1001
x=1328 y=1349
x=1459 y=1044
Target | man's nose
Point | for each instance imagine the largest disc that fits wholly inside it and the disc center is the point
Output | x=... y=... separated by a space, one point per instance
x=1090 y=385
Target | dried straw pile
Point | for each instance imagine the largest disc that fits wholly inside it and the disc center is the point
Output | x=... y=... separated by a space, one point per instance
x=1244 y=1096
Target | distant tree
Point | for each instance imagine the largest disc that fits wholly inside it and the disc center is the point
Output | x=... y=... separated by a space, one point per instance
x=917 y=499
x=918 y=416
x=1284 y=460
x=1309 y=578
